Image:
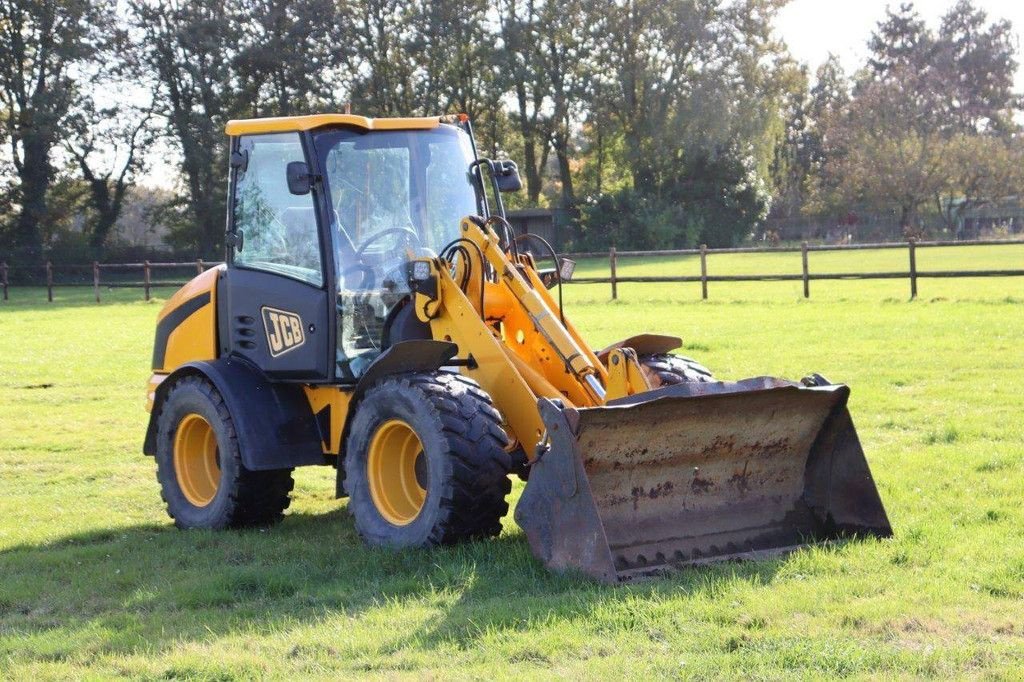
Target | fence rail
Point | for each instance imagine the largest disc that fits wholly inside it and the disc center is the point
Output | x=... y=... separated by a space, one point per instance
x=147 y=268
x=912 y=274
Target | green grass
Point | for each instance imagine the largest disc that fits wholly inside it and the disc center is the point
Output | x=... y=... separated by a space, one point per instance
x=96 y=583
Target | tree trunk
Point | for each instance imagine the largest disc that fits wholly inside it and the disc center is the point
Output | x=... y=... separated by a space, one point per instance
x=642 y=165
x=528 y=129
x=561 y=144
x=35 y=183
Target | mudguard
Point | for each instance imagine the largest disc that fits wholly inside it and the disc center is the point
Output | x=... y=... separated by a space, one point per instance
x=275 y=426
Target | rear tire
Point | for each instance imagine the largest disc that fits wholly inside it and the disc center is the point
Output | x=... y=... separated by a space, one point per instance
x=666 y=369
x=425 y=462
x=199 y=466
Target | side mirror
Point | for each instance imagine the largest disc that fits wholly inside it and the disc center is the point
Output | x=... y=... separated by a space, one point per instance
x=506 y=176
x=299 y=178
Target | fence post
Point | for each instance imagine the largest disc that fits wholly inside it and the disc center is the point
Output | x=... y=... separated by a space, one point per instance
x=96 y=279
x=145 y=277
x=611 y=264
x=704 y=271
x=807 y=277
x=3 y=278
x=49 y=281
x=199 y=266
x=913 y=268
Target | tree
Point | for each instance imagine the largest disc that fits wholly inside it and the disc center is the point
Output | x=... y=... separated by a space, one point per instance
x=382 y=71
x=829 y=98
x=524 y=76
x=827 y=111
x=566 y=46
x=792 y=163
x=47 y=49
x=976 y=64
x=981 y=169
x=457 y=72
x=885 y=152
x=659 y=50
x=901 y=42
x=107 y=146
x=695 y=86
x=918 y=131
x=187 y=51
x=289 y=53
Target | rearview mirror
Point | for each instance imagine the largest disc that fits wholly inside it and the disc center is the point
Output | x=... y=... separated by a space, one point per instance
x=506 y=175
x=299 y=178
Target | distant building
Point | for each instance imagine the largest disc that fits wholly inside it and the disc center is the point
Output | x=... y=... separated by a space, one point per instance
x=975 y=221
x=553 y=224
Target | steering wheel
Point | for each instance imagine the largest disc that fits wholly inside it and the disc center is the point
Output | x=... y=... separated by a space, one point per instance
x=369 y=276
x=391 y=230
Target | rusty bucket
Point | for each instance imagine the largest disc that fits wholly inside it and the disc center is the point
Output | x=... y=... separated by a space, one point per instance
x=695 y=473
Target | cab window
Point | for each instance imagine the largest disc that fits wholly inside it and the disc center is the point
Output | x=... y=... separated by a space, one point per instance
x=279 y=228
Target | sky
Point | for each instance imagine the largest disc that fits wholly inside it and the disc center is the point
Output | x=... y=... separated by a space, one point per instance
x=813 y=28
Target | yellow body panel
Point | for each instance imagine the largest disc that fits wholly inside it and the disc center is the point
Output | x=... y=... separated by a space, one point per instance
x=338 y=399
x=195 y=337
x=198 y=285
x=287 y=124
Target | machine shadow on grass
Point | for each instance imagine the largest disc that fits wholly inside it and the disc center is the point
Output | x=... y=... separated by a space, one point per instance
x=153 y=587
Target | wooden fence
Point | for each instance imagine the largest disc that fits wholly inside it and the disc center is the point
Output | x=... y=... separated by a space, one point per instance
x=146 y=268
x=912 y=274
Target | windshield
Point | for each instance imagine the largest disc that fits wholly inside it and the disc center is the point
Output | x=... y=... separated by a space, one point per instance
x=390 y=194
x=395 y=189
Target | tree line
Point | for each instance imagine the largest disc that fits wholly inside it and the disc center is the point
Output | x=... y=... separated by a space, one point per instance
x=653 y=123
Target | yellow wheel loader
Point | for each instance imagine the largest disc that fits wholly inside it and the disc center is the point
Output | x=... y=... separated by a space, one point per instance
x=377 y=313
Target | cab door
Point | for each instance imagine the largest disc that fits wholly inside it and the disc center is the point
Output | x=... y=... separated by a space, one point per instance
x=278 y=310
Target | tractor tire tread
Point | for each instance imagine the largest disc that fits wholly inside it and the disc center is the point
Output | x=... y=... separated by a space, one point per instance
x=670 y=369
x=255 y=498
x=472 y=499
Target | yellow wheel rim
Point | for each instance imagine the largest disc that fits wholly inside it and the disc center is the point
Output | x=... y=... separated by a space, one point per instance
x=397 y=488
x=195 y=460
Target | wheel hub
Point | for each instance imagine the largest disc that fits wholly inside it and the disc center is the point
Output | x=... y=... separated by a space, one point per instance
x=196 y=460
x=397 y=472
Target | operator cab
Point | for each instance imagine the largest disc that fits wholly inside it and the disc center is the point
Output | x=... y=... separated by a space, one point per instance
x=337 y=206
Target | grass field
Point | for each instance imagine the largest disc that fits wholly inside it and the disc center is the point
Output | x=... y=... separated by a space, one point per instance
x=95 y=582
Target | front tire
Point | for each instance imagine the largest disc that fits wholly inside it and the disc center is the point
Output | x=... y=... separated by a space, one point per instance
x=199 y=466
x=425 y=462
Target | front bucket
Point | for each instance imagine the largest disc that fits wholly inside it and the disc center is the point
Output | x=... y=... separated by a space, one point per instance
x=694 y=473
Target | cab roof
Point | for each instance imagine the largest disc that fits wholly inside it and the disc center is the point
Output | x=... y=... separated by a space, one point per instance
x=287 y=124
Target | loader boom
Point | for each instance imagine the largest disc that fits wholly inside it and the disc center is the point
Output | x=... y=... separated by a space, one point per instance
x=543 y=357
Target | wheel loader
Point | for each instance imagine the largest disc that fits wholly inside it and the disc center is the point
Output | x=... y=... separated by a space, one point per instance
x=377 y=313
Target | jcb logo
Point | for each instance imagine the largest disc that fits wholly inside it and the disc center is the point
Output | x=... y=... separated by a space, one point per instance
x=284 y=330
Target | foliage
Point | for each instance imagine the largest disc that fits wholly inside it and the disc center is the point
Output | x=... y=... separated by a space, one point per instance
x=930 y=122
x=688 y=109
x=631 y=219
x=186 y=50
x=48 y=53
